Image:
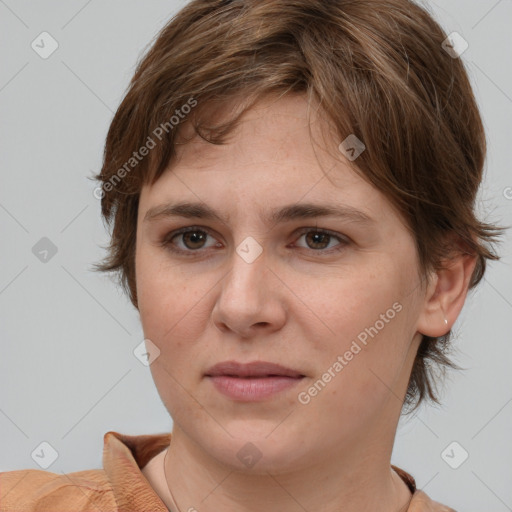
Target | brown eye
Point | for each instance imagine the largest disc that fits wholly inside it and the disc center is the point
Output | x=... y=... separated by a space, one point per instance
x=317 y=240
x=320 y=239
x=188 y=240
x=194 y=239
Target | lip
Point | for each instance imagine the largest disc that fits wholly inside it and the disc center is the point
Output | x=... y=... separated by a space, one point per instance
x=252 y=389
x=253 y=381
x=252 y=369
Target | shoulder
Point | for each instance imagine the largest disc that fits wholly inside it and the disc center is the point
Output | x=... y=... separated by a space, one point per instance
x=34 y=490
x=422 y=503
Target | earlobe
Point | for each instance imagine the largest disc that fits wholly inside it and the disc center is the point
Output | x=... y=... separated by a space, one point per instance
x=445 y=296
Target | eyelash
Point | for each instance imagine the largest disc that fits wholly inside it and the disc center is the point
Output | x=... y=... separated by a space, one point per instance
x=168 y=244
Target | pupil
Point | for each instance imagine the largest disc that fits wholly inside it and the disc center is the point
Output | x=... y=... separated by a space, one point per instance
x=317 y=236
x=195 y=237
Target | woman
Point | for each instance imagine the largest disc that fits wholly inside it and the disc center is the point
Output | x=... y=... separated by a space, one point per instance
x=292 y=186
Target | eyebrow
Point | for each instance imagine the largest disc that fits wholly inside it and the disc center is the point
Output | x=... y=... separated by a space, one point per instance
x=287 y=213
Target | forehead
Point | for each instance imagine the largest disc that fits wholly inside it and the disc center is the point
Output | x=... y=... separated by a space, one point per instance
x=277 y=123
x=282 y=152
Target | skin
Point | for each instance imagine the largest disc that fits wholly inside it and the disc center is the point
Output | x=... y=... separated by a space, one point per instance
x=300 y=304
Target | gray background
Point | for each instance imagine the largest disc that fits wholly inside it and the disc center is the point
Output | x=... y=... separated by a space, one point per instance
x=67 y=335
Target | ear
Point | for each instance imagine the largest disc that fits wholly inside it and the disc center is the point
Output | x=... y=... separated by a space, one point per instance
x=446 y=294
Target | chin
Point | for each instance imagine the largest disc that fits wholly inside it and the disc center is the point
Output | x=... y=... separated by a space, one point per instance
x=257 y=448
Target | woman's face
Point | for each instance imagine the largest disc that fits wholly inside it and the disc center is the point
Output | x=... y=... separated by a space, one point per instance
x=340 y=309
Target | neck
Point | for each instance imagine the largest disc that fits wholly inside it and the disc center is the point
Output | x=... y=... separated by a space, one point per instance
x=348 y=483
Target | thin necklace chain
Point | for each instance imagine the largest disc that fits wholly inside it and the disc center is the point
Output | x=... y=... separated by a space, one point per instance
x=168 y=486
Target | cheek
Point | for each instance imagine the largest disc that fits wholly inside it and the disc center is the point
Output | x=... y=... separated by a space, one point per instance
x=351 y=307
x=162 y=294
x=368 y=329
x=173 y=309
x=172 y=381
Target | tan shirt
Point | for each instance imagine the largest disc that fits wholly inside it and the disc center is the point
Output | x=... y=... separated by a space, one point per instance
x=120 y=486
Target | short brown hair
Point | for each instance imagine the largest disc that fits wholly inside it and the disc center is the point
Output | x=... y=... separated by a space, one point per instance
x=376 y=68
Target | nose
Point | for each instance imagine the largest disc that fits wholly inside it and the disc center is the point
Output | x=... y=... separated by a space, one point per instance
x=249 y=301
